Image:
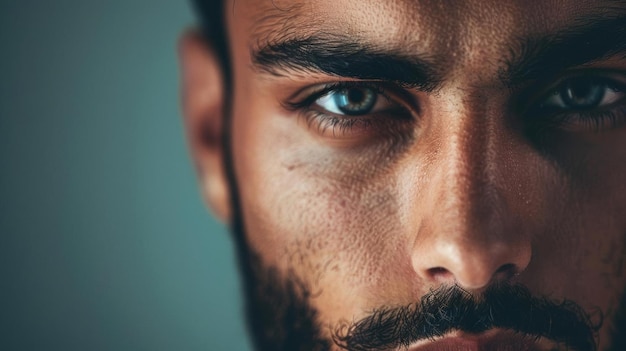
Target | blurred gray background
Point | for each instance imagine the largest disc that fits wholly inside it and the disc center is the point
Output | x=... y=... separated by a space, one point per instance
x=105 y=243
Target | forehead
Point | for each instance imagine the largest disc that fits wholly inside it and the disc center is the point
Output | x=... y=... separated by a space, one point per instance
x=408 y=24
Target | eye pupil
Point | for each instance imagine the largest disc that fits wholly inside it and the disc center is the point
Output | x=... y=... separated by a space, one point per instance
x=355 y=101
x=356 y=96
x=583 y=93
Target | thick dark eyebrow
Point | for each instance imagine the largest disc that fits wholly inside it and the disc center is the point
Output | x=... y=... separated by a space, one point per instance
x=542 y=57
x=344 y=57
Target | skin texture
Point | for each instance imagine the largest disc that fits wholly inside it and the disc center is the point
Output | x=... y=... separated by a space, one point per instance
x=466 y=191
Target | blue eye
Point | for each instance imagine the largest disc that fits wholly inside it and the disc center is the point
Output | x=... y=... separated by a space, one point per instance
x=353 y=101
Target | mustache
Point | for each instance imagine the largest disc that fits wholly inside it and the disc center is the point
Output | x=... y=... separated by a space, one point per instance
x=450 y=308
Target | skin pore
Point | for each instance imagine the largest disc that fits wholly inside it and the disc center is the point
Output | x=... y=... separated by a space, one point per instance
x=378 y=156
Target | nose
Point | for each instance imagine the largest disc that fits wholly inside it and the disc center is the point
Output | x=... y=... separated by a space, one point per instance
x=471 y=233
x=470 y=259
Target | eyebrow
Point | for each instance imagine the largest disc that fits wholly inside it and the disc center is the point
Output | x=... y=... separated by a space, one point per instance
x=589 y=40
x=343 y=56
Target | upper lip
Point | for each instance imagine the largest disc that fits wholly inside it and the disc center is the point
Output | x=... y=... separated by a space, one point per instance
x=492 y=340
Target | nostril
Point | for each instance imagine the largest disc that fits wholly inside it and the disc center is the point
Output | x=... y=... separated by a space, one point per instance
x=441 y=274
x=506 y=271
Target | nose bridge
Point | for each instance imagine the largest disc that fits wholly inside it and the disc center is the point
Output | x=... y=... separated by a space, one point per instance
x=468 y=168
x=469 y=235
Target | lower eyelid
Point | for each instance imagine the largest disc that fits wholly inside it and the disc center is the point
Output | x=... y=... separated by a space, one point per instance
x=594 y=121
x=337 y=125
x=598 y=124
x=354 y=127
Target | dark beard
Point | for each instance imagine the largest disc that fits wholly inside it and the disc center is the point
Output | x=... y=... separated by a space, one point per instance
x=278 y=313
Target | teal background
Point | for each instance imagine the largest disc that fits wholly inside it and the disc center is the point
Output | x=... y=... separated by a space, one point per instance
x=105 y=243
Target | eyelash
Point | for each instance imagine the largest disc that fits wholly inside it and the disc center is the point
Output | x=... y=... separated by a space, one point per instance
x=344 y=124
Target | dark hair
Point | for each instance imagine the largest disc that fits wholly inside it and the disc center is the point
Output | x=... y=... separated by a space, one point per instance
x=211 y=14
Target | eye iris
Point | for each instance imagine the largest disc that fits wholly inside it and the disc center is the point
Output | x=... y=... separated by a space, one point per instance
x=355 y=101
x=583 y=94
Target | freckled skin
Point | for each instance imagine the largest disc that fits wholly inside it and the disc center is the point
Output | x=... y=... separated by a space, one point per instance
x=380 y=220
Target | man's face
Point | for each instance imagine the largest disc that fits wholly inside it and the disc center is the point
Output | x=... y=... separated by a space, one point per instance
x=387 y=150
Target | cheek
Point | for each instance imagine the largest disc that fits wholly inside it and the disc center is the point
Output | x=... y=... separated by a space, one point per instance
x=329 y=216
x=601 y=198
x=581 y=254
x=603 y=224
